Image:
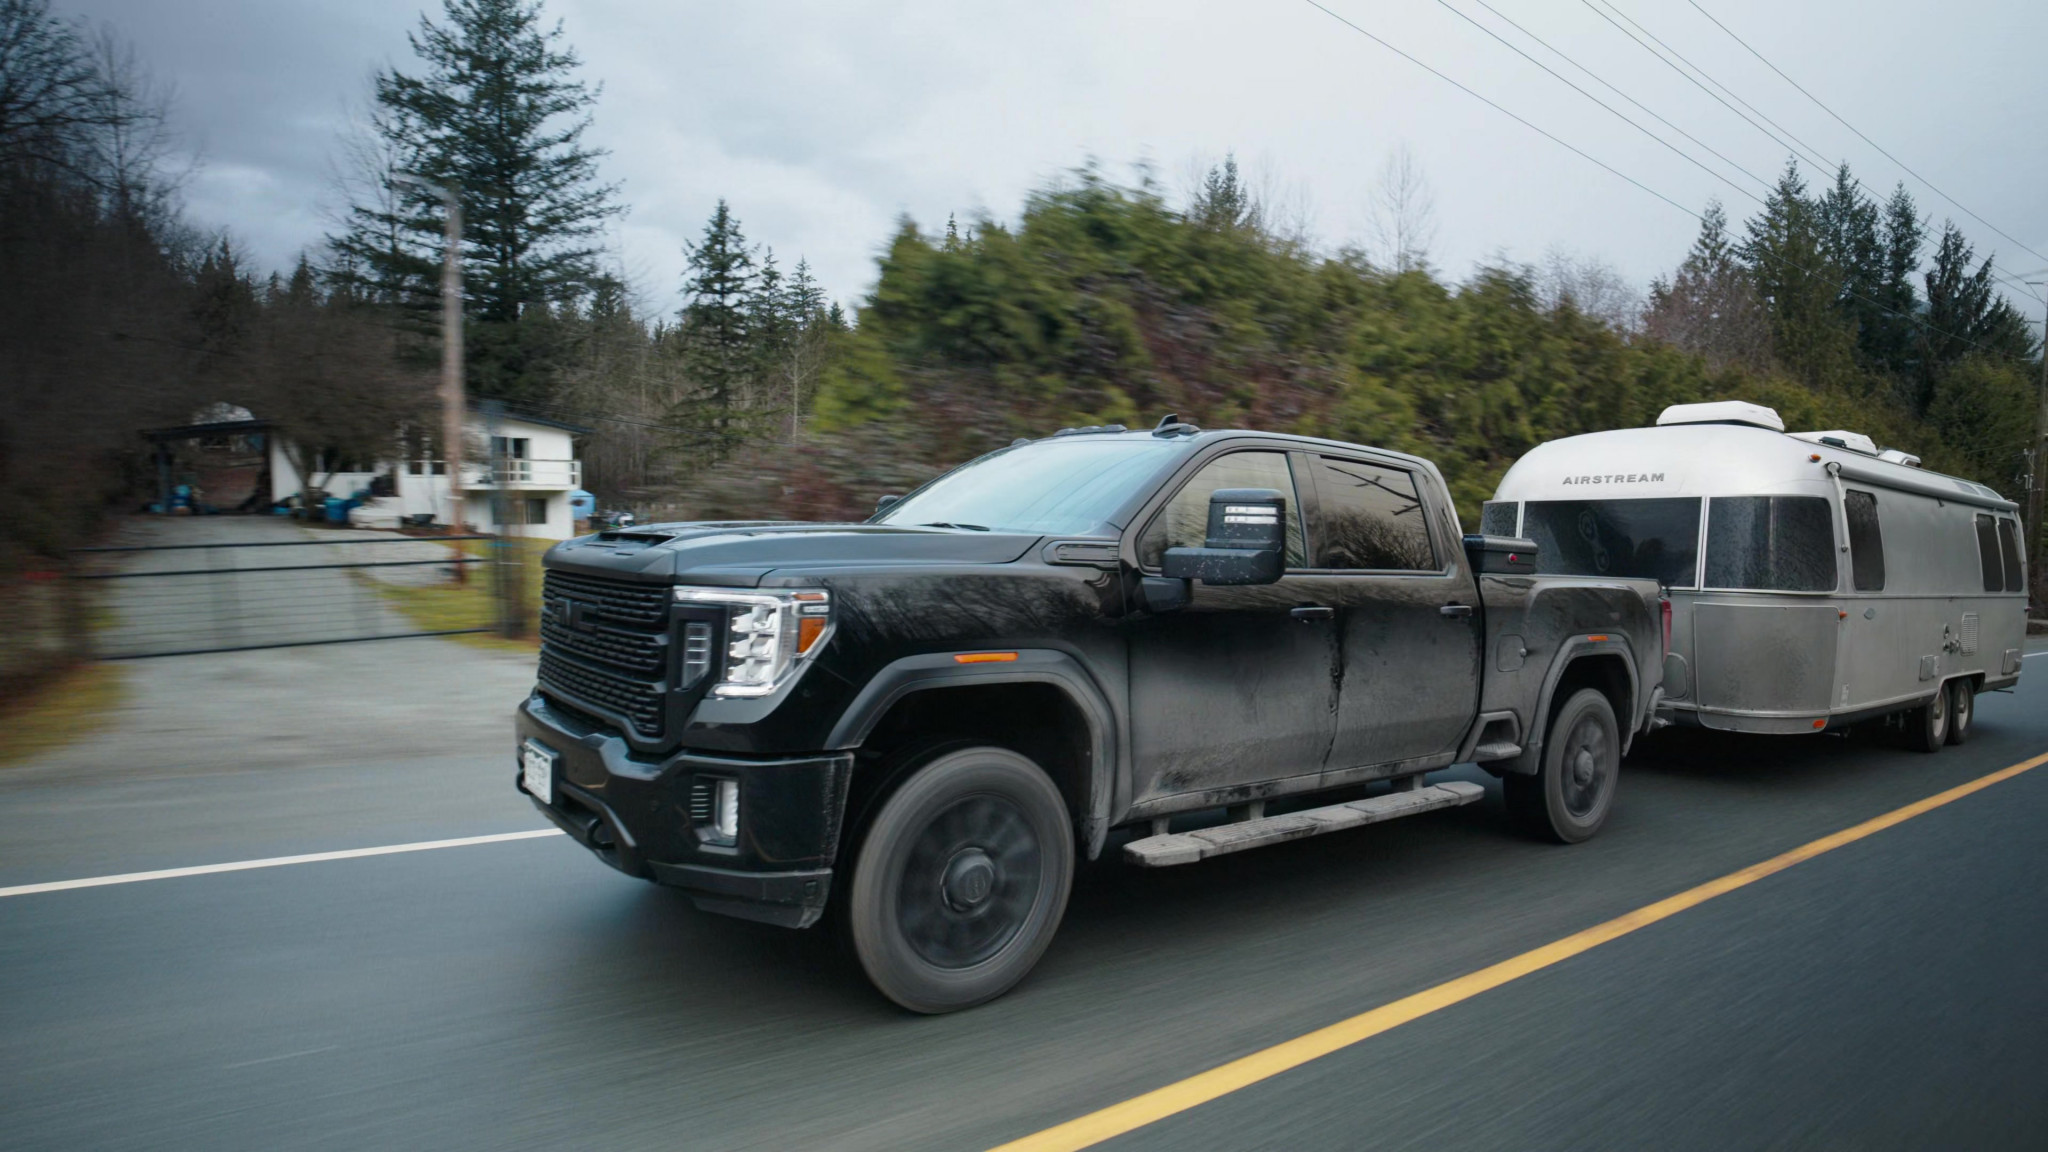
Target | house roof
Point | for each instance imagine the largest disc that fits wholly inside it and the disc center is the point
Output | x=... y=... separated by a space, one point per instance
x=196 y=431
x=476 y=410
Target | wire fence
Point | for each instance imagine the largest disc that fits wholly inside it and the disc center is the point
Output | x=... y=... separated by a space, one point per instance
x=233 y=595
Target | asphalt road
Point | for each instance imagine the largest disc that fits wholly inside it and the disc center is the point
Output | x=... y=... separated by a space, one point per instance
x=1888 y=994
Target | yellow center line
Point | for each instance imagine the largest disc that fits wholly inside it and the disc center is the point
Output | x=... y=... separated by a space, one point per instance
x=1135 y=1113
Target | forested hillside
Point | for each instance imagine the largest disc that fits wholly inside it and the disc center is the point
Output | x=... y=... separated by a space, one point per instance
x=1107 y=304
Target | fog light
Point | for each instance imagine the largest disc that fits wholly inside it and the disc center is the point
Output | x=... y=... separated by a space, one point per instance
x=727 y=805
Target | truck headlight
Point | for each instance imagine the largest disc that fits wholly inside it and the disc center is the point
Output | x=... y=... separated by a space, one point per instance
x=767 y=633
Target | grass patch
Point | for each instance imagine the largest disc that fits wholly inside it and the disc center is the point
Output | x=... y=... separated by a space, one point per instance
x=63 y=708
x=473 y=604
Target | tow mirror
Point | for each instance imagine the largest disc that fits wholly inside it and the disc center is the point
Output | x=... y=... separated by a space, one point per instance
x=1246 y=544
x=1501 y=555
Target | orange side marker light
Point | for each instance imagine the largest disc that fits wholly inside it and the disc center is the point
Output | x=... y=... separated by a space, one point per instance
x=984 y=657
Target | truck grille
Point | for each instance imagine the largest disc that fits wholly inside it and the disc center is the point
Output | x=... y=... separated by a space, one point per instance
x=604 y=644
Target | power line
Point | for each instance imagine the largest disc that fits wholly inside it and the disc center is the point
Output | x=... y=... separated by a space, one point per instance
x=1688 y=157
x=1797 y=147
x=1859 y=132
x=1809 y=154
x=1879 y=305
x=1560 y=54
x=1582 y=153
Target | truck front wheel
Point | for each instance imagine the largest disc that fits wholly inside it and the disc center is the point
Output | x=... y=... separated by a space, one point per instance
x=961 y=880
x=1569 y=797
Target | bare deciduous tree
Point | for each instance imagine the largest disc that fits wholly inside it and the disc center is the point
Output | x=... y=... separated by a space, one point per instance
x=1402 y=213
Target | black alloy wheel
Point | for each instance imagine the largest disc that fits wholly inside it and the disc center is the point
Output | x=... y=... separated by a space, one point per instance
x=1962 y=710
x=1570 y=796
x=1927 y=726
x=961 y=880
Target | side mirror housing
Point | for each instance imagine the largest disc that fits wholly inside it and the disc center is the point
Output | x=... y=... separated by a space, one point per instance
x=1501 y=555
x=882 y=502
x=1246 y=542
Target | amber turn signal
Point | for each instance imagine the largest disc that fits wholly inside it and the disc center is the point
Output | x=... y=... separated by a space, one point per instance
x=984 y=657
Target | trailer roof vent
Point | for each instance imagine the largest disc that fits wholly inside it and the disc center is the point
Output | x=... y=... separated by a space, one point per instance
x=1722 y=412
x=1851 y=441
x=1897 y=457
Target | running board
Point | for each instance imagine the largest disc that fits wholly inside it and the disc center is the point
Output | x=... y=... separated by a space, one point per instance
x=1188 y=847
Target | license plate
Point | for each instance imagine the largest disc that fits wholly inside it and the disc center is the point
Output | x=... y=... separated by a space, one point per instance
x=537 y=771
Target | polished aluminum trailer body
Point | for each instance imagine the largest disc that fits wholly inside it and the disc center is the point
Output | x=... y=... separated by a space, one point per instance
x=1813 y=582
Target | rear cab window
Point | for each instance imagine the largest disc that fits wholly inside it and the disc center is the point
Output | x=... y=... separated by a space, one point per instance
x=1184 y=522
x=1771 y=543
x=1656 y=539
x=1371 y=519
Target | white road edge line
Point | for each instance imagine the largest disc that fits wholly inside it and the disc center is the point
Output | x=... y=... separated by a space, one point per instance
x=272 y=862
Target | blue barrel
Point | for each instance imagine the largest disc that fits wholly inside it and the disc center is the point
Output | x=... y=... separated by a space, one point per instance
x=582 y=505
x=337 y=510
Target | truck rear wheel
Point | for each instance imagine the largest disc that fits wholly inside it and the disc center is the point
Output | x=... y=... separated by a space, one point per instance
x=961 y=880
x=1569 y=797
x=1927 y=725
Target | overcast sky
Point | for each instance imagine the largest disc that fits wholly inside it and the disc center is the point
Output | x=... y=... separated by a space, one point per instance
x=824 y=122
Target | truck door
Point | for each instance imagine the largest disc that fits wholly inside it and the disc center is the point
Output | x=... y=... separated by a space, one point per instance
x=1236 y=687
x=1408 y=612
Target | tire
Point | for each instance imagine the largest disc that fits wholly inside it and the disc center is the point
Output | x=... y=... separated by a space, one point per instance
x=961 y=880
x=1962 y=710
x=1571 y=794
x=1927 y=726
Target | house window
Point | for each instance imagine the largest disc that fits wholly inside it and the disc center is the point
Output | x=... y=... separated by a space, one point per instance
x=509 y=447
x=415 y=467
x=536 y=510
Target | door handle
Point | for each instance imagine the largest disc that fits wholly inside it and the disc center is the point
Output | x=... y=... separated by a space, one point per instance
x=1309 y=613
x=1455 y=610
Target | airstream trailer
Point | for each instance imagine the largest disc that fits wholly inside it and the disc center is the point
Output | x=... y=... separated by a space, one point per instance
x=1814 y=580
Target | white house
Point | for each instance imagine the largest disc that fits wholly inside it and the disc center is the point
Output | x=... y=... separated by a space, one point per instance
x=516 y=477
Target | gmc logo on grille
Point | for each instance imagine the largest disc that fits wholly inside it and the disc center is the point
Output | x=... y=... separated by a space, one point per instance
x=571 y=614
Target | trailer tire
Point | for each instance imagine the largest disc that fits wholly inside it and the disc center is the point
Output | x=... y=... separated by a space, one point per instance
x=1569 y=797
x=961 y=880
x=1962 y=710
x=1927 y=726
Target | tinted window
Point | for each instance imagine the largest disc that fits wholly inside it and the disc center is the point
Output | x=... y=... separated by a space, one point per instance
x=1987 y=554
x=2009 y=548
x=1782 y=543
x=1184 y=522
x=1371 y=518
x=1654 y=539
x=1497 y=517
x=1866 y=542
x=1051 y=486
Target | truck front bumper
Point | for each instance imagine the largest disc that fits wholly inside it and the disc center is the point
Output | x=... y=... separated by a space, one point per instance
x=647 y=817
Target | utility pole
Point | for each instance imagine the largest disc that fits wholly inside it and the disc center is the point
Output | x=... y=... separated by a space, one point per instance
x=452 y=401
x=2037 y=463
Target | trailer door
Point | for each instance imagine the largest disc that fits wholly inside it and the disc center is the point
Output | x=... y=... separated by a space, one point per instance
x=1870 y=670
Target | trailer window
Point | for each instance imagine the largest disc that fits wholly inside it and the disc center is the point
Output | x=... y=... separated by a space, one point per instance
x=1497 y=517
x=1987 y=554
x=1779 y=543
x=2009 y=548
x=1653 y=539
x=1371 y=519
x=1866 y=541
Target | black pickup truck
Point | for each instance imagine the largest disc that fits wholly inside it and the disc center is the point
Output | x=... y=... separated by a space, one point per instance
x=922 y=721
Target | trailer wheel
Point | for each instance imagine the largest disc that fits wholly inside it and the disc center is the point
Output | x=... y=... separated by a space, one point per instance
x=1962 y=710
x=1569 y=797
x=961 y=880
x=1927 y=725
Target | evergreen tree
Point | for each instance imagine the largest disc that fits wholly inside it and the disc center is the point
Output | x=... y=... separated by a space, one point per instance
x=497 y=115
x=1894 y=345
x=717 y=338
x=1223 y=202
x=1965 y=316
x=1710 y=307
x=1786 y=249
x=1848 y=222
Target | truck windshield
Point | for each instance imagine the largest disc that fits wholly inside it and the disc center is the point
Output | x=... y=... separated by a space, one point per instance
x=1050 y=487
x=1654 y=539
